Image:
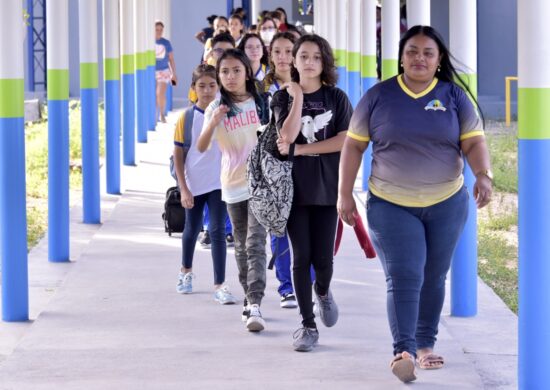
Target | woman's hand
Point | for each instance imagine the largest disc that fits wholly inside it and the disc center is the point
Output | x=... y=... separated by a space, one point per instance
x=347 y=210
x=283 y=146
x=483 y=188
x=175 y=79
x=219 y=113
x=187 y=199
x=293 y=89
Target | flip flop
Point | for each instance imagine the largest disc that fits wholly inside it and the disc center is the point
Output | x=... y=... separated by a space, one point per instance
x=430 y=361
x=402 y=366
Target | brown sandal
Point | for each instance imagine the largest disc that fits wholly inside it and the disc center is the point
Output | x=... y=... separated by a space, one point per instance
x=430 y=361
x=402 y=366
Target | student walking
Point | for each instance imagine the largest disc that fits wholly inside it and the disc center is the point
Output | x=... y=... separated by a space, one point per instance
x=280 y=62
x=165 y=68
x=233 y=121
x=421 y=124
x=314 y=115
x=199 y=182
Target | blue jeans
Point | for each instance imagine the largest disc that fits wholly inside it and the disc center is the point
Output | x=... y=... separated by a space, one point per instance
x=279 y=246
x=193 y=226
x=415 y=246
x=228 y=227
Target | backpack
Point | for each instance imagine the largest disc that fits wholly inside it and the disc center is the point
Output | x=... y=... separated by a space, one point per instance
x=270 y=182
x=189 y=115
x=174 y=213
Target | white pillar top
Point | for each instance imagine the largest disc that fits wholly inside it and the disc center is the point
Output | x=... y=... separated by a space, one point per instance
x=418 y=12
x=110 y=29
x=127 y=27
x=534 y=45
x=341 y=24
x=390 y=29
x=354 y=26
x=138 y=26
x=87 y=30
x=368 y=27
x=57 y=31
x=463 y=33
x=12 y=40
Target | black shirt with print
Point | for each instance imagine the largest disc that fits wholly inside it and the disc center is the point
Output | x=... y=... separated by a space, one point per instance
x=325 y=113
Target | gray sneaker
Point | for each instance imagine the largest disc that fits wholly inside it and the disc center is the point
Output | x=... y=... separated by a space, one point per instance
x=328 y=310
x=224 y=296
x=255 y=322
x=305 y=339
x=185 y=283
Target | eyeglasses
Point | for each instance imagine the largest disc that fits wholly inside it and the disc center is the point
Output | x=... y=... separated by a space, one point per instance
x=267 y=29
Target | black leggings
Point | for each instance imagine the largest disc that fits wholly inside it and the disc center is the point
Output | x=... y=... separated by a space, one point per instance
x=312 y=231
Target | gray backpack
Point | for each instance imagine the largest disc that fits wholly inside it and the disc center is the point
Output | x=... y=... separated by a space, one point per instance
x=270 y=182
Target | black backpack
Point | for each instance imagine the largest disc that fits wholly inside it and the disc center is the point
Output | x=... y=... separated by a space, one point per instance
x=174 y=212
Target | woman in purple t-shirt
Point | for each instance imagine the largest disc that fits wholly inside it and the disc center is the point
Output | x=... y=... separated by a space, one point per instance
x=421 y=124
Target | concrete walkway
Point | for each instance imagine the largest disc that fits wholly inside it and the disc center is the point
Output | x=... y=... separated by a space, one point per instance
x=111 y=318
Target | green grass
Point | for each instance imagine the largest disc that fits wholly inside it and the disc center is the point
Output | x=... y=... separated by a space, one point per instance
x=36 y=144
x=498 y=266
x=503 y=150
x=497 y=224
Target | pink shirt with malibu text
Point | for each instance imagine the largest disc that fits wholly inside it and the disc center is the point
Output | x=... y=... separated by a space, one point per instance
x=236 y=137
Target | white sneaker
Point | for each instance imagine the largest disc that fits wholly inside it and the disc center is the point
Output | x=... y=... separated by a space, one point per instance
x=185 y=283
x=224 y=296
x=255 y=322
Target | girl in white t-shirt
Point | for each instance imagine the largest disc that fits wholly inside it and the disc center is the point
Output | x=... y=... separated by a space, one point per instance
x=233 y=122
x=198 y=177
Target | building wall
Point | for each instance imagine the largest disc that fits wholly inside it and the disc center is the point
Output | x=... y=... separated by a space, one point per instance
x=497 y=54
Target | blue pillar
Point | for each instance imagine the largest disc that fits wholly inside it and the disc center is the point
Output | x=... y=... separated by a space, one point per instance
x=13 y=209
x=90 y=155
x=152 y=104
x=58 y=169
x=141 y=98
x=128 y=110
x=534 y=239
x=112 y=135
x=13 y=215
x=533 y=194
x=464 y=265
x=58 y=131
x=128 y=58
x=111 y=55
x=169 y=98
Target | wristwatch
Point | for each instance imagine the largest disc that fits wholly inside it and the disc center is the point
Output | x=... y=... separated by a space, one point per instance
x=487 y=172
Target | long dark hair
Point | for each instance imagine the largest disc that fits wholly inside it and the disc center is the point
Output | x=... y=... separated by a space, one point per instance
x=328 y=74
x=229 y=99
x=447 y=71
x=265 y=55
x=270 y=76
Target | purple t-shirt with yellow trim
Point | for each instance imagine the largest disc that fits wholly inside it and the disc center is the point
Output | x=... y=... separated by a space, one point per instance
x=417 y=160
